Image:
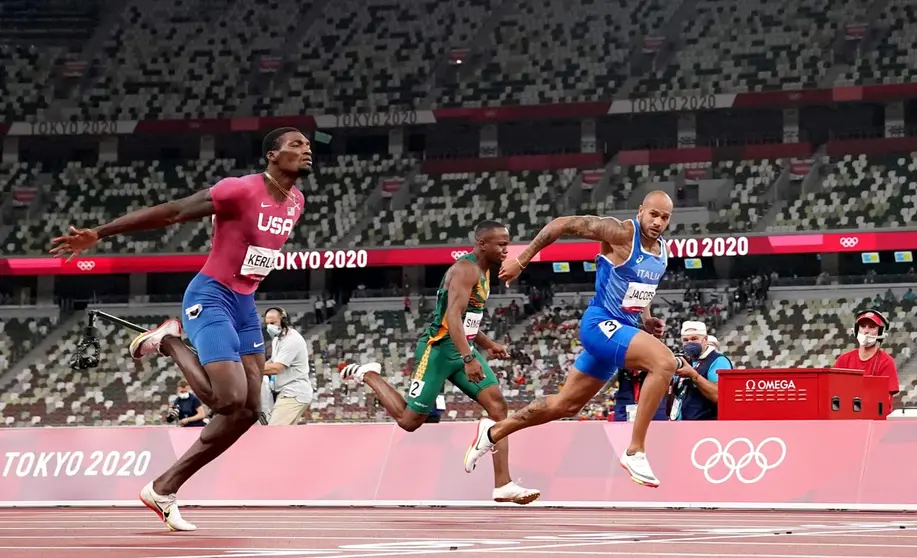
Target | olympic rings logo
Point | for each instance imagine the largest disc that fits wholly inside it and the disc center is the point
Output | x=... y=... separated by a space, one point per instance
x=459 y=253
x=733 y=465
x=86 y=265
x=849 y=241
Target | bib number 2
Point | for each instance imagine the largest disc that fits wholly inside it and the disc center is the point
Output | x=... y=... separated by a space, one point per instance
x=416 y=389
x=609 y=327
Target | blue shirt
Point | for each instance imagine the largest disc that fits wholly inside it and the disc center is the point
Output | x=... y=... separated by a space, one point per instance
x=625 y=290
x=188 y=408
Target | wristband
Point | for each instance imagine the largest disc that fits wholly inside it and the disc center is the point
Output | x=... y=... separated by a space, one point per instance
x=520 y=263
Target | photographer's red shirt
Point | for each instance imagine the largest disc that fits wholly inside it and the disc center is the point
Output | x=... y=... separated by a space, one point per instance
x=879 y=364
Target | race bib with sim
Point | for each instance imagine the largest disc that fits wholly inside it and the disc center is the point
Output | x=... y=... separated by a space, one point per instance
x=258 y=262
x=472 y=324
x=638 y=297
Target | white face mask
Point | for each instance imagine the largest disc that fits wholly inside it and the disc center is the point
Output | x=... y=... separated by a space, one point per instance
x=273 y=330
x=866 y=340
x=184 y=395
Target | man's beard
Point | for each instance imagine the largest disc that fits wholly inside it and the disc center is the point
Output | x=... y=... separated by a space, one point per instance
x=304 y=172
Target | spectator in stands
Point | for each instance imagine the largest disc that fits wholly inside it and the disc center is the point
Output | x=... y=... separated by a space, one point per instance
x=187 y=409
x=870 y=329
x=909 y=296
x=319 y=309
x=696 y=392
x=289 y=365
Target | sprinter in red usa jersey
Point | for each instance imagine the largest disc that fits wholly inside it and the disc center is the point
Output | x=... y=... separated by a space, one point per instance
x=252 y=218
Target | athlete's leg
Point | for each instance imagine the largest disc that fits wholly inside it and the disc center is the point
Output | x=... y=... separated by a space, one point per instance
x=488 y=394
x=223 y=430
x=578 y=389
x=645 y=352
x=395 y=405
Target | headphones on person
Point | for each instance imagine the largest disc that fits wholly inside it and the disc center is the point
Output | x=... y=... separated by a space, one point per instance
x=284 y=318
x=875 y=316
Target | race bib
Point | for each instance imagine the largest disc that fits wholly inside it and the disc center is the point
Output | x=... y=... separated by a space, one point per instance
x=416 y=388
x=638 y=297
x=609 y=327
x=473 y=323
x=258 y=262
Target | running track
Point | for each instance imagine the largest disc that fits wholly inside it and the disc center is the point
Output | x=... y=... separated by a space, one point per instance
x=516 y=532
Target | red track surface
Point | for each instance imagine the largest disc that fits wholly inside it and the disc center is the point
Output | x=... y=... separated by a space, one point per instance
x=518 y=532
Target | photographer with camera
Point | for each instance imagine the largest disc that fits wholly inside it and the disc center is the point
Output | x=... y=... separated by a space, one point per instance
x=186 y=409
x=289 y=366
x=695 y=391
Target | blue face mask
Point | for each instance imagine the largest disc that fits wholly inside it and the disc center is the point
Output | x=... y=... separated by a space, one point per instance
x=273 y=330
x=693 y=350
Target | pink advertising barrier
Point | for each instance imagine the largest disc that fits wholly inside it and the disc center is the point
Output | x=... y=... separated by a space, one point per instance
x=742 y=464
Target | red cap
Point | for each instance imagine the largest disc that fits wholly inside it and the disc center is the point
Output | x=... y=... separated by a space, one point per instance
x=871 y=316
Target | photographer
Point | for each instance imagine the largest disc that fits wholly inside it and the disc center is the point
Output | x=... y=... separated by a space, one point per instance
x=628 y=396
x=289 y=364
x=186 y=408
x=695 y=392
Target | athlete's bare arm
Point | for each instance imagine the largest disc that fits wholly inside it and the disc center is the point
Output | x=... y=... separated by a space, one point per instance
x=460 y=280
x=592 y=227
x=159 y=216
x=195 y=206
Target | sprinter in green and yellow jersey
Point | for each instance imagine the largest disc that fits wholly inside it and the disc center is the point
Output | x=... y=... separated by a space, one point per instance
x=445 y=351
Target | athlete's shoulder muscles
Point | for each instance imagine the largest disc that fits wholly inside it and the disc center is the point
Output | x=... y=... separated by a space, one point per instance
x=462 y=277
x=593 y=227
x=195 y=206
x=229 y=195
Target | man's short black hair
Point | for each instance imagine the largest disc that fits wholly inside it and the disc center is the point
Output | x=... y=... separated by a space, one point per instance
x=272 y=139
x=486 y=226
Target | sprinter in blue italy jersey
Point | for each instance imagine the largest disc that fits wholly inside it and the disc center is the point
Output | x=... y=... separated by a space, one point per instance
x=630 y=265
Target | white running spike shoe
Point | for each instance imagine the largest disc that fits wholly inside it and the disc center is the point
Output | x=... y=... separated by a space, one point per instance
x=480 y=446
x=516 y=494
x=147 y=343
x=639 y=469
x=166 y=507
x=357 y=371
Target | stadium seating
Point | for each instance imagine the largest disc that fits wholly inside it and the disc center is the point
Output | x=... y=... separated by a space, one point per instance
x=177 y=59
x=448 y=205
x=548 y=52
x=90 y=195
x=735 y=47
x=858 y=192
x=379 y=54
x=24 y=77
x=119 y=391
x=893 y=59
x=18 y=337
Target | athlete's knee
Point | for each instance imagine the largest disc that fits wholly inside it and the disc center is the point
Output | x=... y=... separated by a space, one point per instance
x=498 y=410
x=411 y=422
x=664 y=364
x=231 y=403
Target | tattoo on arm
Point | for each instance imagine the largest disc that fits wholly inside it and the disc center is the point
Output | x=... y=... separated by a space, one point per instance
x=602 y=229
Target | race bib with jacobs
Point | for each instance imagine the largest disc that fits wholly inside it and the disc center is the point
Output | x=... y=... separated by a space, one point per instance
x=472 y=324
x=258 y=262
x=638 y=297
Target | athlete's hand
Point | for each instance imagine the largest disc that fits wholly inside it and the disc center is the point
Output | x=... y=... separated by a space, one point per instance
x=474 y=371
x=655 y=327
x=79 y=241
x=498 y=351
x=509 y=270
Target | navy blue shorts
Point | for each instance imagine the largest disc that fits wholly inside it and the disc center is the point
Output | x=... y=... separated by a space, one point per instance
x=221 y=323
x=605 y=341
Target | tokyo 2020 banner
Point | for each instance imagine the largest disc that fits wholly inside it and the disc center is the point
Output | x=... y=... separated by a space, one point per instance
x=732 y=464
x=685 y=247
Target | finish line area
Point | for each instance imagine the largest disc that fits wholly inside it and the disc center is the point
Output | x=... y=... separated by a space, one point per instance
x=372 y=532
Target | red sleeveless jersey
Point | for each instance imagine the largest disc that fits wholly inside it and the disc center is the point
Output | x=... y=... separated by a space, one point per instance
x=249 y=229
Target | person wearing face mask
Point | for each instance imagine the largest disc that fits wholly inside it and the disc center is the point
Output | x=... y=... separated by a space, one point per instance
x=187 y=409
x=695 y=390
x=289 y=365
x=870 y=329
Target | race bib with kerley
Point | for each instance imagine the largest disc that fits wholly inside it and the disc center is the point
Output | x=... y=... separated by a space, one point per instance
x=258 y=262
x=472 y=323
x=638 y=297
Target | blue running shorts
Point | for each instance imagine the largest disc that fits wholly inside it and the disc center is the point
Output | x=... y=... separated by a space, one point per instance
x=221 y=323
x=605 y=341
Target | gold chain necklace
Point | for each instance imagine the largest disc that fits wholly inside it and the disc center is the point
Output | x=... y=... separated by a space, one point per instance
x=282 y=191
